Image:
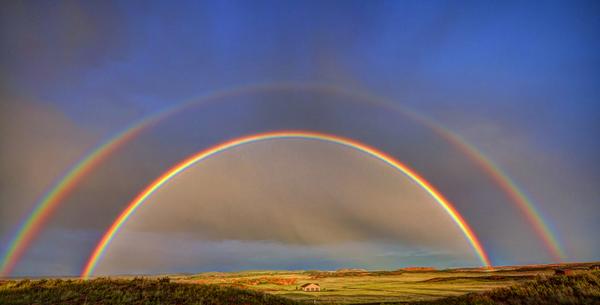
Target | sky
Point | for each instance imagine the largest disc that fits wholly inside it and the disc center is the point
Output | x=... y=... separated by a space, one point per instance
x=520 y=81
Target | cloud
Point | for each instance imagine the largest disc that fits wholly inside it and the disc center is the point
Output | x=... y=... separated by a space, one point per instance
x=80 y=36
x=561 y=186
x=38 y=143
x=293 y=193
x=289 y=193
x=160 y=253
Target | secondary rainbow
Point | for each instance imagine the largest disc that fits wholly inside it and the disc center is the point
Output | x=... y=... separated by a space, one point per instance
x=499 y=176
x=48 y=203
x=202 y=155
x=509 y=187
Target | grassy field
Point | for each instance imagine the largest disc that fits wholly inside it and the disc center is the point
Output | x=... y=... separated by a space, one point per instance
x=128 y=292
x=505 y=285
x=369 y=287
x=583 y=288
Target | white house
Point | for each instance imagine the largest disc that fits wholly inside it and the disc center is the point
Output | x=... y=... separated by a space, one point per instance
x=310 y=287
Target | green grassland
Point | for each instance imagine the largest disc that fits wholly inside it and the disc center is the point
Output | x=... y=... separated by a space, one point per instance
x=506 y=285
x=369 y=287
x=366 y=288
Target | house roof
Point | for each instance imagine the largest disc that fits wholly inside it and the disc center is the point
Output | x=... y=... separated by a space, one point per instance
x=308 y=284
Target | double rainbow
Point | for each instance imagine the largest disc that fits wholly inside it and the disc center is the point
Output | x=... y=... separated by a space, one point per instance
x=48 y=203
x=203 y=155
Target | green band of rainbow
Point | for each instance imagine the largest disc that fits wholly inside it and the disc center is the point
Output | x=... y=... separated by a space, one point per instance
x=52 y=198
x=203 y=155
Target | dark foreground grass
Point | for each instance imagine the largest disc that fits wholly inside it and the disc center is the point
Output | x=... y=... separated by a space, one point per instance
x=577 y=289
x=129 y=292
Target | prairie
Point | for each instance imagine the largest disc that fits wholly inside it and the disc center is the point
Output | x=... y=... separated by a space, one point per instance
x=505 y=285
x=361 y=286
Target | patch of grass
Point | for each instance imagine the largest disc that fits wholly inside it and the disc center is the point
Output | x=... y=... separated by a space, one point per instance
x=136 y=291
x=577 y=289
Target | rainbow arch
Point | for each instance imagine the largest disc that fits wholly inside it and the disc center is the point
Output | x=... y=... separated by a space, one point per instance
x=207 y=153
x=47 y=204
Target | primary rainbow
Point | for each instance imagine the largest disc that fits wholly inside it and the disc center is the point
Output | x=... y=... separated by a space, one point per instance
x=202 y=155
x=44 y=207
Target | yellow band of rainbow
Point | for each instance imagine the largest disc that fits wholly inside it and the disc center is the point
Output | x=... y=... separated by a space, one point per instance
x=202 y=155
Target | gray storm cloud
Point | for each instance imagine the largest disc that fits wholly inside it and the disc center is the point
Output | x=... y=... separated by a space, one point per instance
x=296 y=191
x=299 y=193
x=81 y=36
x=37 y=145
x=158 y=254
x=558 y=187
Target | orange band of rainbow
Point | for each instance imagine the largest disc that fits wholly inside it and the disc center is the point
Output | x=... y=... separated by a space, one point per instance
x=202 y=155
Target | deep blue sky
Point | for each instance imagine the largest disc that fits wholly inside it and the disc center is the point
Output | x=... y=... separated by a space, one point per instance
x=532 y=63
x=520 y=80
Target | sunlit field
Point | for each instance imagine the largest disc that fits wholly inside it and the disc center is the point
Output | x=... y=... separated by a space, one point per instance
x=364 y=288
x=352 y=287
x=523 y=285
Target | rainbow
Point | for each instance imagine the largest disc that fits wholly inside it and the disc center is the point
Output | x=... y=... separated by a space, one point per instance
x=203 y=155
x=48 y=203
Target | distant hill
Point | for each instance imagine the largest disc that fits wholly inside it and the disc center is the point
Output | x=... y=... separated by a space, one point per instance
x=421 y=269
x=129 y=292
x=346 y=270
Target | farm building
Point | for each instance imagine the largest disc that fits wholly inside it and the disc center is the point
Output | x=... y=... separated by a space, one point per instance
x=310 y=287
x=595 y=267
x=563 y=272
